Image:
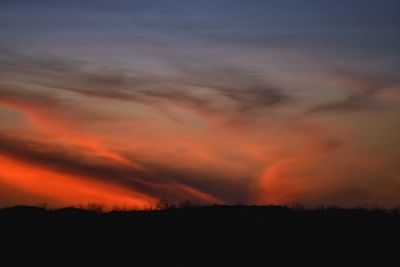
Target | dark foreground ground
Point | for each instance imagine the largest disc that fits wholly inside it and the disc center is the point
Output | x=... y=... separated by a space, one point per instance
x=211 y=236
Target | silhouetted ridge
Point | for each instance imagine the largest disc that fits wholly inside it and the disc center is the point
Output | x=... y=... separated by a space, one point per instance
x=199 y=236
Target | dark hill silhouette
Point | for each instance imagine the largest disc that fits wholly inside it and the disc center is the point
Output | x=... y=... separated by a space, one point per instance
x=201 y=236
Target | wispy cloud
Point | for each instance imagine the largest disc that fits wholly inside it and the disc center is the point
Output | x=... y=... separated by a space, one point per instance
x=154 y=182
x=224 y=91
x=361 y=92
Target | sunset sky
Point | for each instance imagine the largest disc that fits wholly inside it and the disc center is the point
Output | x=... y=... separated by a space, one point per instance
x=253 y=102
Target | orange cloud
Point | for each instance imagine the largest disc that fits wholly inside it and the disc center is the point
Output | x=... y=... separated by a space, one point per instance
x=207 y=142
x=67 y=189
x=49 y=122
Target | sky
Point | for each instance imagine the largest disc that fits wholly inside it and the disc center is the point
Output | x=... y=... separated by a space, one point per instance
x=125 y=102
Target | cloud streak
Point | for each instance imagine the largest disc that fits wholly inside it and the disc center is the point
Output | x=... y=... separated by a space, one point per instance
x=152 y=183
x=361 y=92
x=231 y=93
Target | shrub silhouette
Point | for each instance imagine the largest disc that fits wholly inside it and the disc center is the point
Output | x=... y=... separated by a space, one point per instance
x=94 y=207
x=187 y=204
x=164 y=204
